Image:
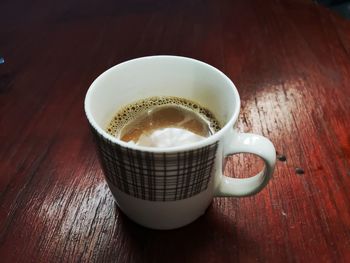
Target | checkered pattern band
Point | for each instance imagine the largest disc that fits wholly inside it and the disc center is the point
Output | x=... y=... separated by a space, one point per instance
x=156 y=176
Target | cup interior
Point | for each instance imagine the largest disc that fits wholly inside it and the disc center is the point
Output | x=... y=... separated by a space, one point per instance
x=152 y=76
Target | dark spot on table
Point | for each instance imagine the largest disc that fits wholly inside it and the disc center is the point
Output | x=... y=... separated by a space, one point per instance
x=299 y=171
x=281 y=157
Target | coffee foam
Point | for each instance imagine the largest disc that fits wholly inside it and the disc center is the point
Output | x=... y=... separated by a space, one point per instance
x=133 y=110
x=168 y=137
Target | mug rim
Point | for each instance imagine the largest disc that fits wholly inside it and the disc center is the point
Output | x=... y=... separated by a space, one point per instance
x=191 y=146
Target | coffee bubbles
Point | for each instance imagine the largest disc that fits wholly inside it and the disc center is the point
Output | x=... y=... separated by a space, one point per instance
x=163 y=122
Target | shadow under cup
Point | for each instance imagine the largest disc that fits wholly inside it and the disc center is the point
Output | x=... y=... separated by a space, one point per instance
x=161 y=188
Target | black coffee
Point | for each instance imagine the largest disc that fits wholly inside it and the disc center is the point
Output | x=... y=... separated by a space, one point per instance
x=163 y=122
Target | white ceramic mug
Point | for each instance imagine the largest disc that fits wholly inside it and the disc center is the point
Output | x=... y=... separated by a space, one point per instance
x=166 y=188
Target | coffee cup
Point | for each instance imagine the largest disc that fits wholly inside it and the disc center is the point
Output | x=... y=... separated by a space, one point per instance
x=167 y=188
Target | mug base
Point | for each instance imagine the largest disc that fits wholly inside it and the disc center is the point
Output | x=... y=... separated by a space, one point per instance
x=160 y=215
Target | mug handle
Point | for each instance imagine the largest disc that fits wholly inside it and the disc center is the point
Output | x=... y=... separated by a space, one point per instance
x=247 y=143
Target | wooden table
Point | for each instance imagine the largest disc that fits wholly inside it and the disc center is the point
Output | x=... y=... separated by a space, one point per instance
x=291 y=63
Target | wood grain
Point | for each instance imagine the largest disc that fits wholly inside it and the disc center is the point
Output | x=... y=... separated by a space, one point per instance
x=290 y=61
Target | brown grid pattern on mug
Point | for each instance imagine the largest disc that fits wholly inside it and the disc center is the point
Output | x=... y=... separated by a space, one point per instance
x=156 y=176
